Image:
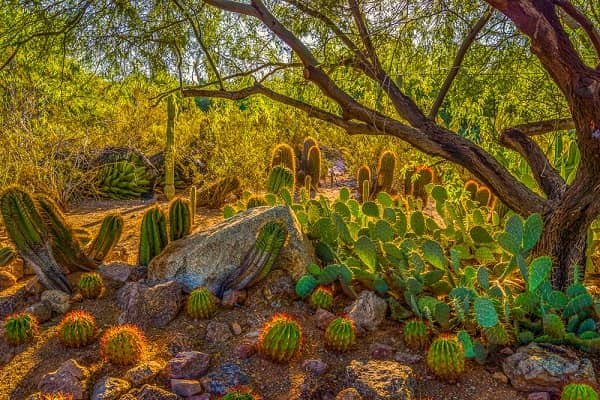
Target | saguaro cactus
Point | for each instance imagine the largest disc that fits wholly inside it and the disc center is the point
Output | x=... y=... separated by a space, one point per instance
x=169 y=150
x=153 y=235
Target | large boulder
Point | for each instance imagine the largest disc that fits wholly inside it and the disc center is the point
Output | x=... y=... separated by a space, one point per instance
x=547 y=368
x=206 y=258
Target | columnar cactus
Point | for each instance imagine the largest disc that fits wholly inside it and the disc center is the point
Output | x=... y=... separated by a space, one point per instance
x=169 y=149
x=363 y=175
x=180 y=219
x=313 y=166
x=306 y=146
x=107 y=238
x=283 y=154
x=256 y=201
x=578 y=391
x=6 y=256
x=471 y=187
x=123 y=345
x=20 y=328
x=386 y=168
x=91 y=285
x=280 y=177
x=201 y=304
x=553 y=326
x=280 y=338
x=425 y=177
x=260 y=259
x=322 y=297
x=308 y=183
x=77 y=329
x=445 y=358
x=193 y=203
x=240 y=393
x=30 y=236
x=153 y=235
x=416 y=334
x=340 y=334
x=483 y=196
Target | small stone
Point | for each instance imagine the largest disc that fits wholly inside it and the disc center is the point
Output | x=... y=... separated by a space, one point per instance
x=368 y=310
x=539 y=396
x=70 y=377
x=41 y=311
x=380 y=351
x=188 y=365
x=316 y=366
x=236 y=328
x=225 y=377
x=507 y=351
x=7 y=280
x=150 y=392
x=500 y=377
x=58 y=300
x=217 y=332
x=116 y=272
x=109 y=388
x=408 y=358
x=323 y=318
x=232 y=298
x=180 y=343
x=186 y=387
x=348 y=394
x=245 y=350
x=143 y=373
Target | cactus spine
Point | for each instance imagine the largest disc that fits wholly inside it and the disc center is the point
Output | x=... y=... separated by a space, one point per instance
x=180 y=220
x=201 y=304
x=283 y=154
x=193 y=203
x=153 y=236
x=313 y=165
x=20 y=328
x=578 y=391
x=340 y=334
x=416 y=334
x=322 y=297
x=445 y=358
x=91 y=285
x=280 y=338
x=280 y=177
x=107 y=238
x=123 y=345
x=170 y=150
x=386 y=168
x=363 y=175
x=26 y=229
x=77 y=329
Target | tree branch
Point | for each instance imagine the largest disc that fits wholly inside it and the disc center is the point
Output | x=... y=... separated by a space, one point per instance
x=365 y=36
x=583 y=21
x=542 y=127
x=544 y=173
x=460 y=56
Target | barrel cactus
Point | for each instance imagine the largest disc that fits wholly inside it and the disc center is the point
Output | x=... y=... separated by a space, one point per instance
x=280 y=338
x=201 y=304
x=363 y=175
x=283 y=154
x=483 y=196
x=386 y=168
x=280 y=177
x=425 y=177
x=77 y=329
x=446 y=358
x=91 y=285
x=123 y=345
x=578 y=391
x=153 y=235
x=20 y=328
x=471 y=187
x=313 y=165
x=240 y=393
x=340 y=334
x=416 y=334
x=180 y=219
x=322 y=297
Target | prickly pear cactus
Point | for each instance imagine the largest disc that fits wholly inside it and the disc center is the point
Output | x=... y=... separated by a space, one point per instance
x=340 y=334
x=305 y=285
x=445 y=358
x=280 y=338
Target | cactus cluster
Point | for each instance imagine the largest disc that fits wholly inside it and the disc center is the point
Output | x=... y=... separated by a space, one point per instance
x=153 y=235
x=201 y=304
x=578 y=391
x=91 y=285
x=280 y=177
x=340 y=334
x=416 y=334
x=180 y=219
x=123 y=345
x=121 y=180
x=322 y=297
x=445 y=358
x=280 y=338
x=77 y=329
x=20 y=328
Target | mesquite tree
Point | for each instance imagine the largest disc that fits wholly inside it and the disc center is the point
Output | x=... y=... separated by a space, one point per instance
x=249 y=47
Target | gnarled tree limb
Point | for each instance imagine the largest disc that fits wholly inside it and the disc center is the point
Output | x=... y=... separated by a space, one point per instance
x=583 y=21
x=541 y=127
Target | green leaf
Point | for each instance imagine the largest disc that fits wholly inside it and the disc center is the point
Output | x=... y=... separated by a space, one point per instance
x=532 y=231
x=485 y=312
x=514 y=227
x=539 y=271
x=367 y=252
x=434 y=254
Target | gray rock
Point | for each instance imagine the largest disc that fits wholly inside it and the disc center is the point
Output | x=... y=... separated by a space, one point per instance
x=217 y=332
x=41 y=311
x=150 y=305
x=316 y=366
x=116 y=272
x=367 y=311
x=58 y=300
x=144 y=372
x=380 y=351
x=188 y=365
x=207 y=258
x=348 y=394
x=547 y=368
x=109 y=388
x=323 y=318
x=379 y=380
x=224 y=378
x=150 y=392
x=186 y=387
x=70 y=377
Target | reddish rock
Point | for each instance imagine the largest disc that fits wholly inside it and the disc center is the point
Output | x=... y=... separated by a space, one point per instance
x=70 y=377
x=186 y=387
x=245 y=350
x=236 y=328
x=232 y=298
x=188 y=365
x=150 y=305
x=380 y=351
x=217 y=332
